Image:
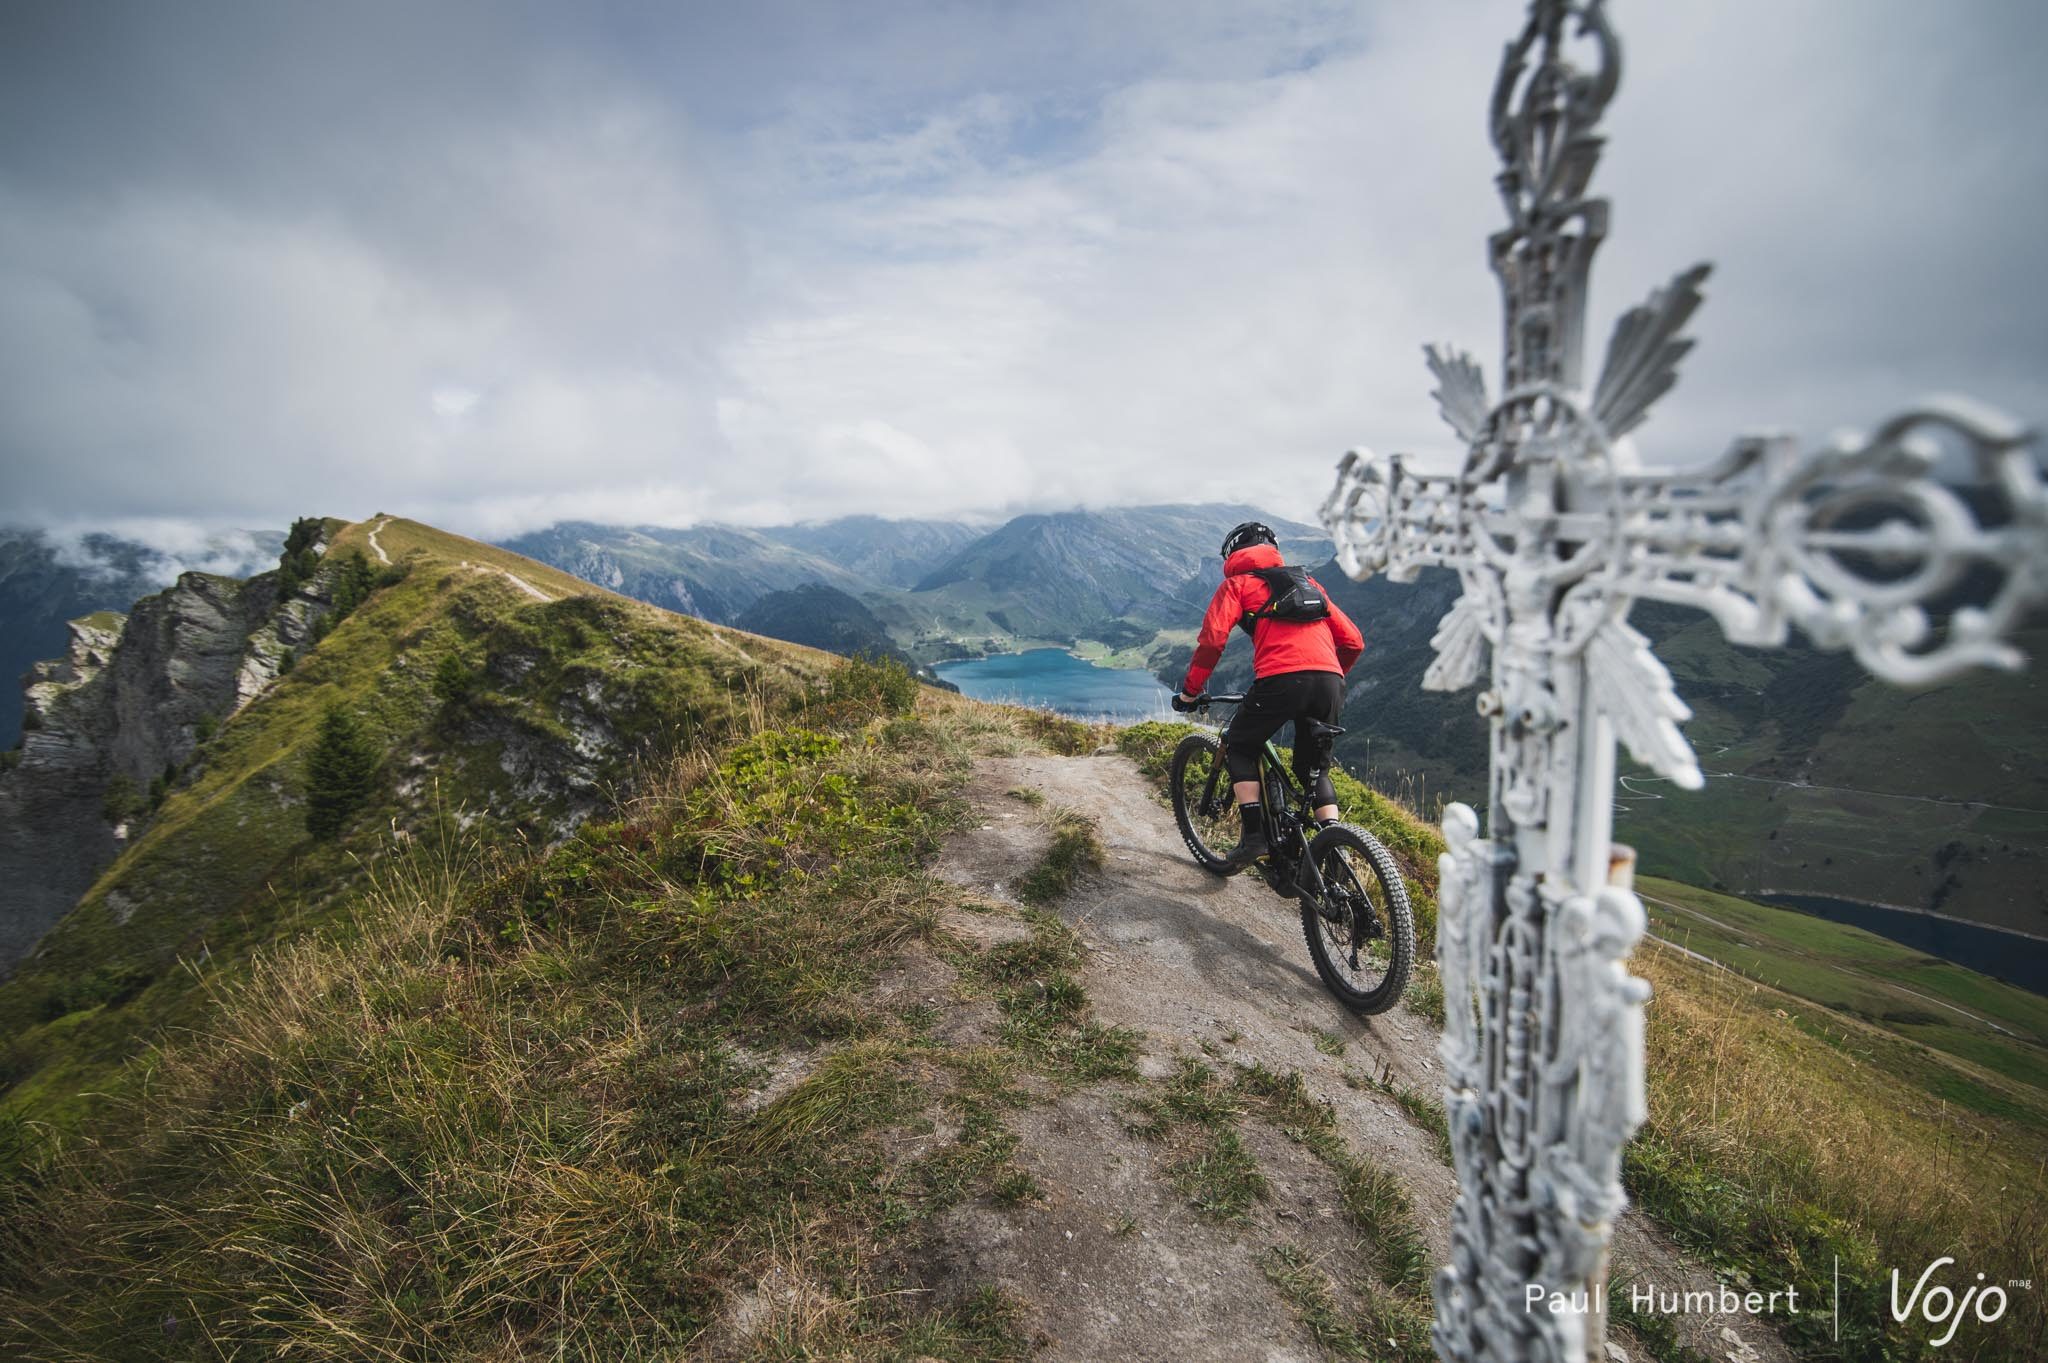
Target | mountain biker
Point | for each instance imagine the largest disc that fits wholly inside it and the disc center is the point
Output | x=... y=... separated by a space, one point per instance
x=1302 y=645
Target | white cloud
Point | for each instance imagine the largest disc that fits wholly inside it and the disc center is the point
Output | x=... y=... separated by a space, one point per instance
x=975 y=259
x=453 y=401
x=169 y=547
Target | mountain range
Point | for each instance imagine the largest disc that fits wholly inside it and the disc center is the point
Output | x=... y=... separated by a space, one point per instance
x=939 y=588
x=1823 y=781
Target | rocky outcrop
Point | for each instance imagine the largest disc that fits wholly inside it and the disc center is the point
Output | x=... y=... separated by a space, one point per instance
x=54 y=833
x=48 y=580
x=124 y=709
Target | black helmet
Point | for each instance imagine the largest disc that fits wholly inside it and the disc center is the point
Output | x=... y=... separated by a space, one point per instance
x=1251 y=532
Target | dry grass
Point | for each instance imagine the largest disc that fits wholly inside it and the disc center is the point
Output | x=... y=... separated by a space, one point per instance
x=1782 y=1141
x=504 y=1109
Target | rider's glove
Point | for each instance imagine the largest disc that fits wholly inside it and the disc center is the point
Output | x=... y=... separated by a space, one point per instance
x=1185 y=703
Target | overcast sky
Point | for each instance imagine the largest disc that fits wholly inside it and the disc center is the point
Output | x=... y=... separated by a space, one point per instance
x=496 y=265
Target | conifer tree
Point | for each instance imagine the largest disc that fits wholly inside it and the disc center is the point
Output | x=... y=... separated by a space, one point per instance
x=339 y=773
x=298 y=561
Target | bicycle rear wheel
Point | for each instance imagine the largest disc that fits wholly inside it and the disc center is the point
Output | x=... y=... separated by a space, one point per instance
x=1202 y=803
x=1360 y=930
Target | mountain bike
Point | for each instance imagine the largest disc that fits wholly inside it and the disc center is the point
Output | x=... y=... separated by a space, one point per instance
x=1354 y=907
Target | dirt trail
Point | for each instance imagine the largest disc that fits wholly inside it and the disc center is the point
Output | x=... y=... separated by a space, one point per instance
x=515 y=579
x=1216 y=968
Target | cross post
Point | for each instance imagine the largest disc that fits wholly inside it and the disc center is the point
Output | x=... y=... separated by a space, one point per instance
x=1555 y=530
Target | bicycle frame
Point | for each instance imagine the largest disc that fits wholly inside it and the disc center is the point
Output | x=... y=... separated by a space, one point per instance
x=1289 y=819
x=1286 y=804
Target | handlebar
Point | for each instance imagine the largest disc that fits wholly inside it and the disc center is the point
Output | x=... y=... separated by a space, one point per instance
x=1205 y=699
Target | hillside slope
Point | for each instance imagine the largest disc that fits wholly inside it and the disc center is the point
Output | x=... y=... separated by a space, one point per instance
x=820 y=617
x=499 y=695
x=895 y=1026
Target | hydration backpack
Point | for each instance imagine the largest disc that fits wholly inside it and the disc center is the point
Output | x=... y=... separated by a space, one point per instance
x=1293 y=598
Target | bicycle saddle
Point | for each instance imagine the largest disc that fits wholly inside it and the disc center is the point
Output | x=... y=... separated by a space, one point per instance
x=1313 y=729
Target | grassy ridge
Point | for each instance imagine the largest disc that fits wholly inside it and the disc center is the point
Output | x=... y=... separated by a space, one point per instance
x=639 y=1095
x=226 y=865
x=517 y=1101
x=1784 y=1137
x=694 y=1080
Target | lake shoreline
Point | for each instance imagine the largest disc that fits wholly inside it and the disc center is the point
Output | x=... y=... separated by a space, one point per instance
x=1056 y=678
x=1988 y=950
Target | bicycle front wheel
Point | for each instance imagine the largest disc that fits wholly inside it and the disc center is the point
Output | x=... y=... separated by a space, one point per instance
x=1202 y=803
x=1360 y=930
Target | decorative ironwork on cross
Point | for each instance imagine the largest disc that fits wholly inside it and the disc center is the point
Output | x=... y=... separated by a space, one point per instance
x=1555 y=530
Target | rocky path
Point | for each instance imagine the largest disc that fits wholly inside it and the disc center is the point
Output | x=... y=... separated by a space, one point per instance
x=1215 y=969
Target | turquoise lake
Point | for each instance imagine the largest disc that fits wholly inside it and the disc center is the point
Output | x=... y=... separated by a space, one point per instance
x=1054 y=679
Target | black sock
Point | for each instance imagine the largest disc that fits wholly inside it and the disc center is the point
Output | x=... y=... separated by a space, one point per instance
x=1254 y=819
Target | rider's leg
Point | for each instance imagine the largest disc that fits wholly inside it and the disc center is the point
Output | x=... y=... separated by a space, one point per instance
x=1324 y=700
x=1264 y=710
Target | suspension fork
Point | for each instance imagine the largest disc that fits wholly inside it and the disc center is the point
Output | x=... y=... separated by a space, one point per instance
x=1217 y=770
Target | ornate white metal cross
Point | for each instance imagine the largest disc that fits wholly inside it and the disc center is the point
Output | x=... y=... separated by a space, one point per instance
x=1555 y=530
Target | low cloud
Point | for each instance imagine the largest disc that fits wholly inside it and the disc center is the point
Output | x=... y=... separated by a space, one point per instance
x=161 y=550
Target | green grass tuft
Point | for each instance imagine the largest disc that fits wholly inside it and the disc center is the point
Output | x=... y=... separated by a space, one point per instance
x=1387 y=1327
x=1075 y=850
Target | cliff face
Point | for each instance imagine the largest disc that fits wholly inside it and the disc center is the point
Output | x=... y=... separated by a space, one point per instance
x=45 y=582
x=54 y=837
x=125 y=707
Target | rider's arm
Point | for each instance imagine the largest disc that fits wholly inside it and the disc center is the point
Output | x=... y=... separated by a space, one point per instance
x=1217 y=623
x=1350 y=643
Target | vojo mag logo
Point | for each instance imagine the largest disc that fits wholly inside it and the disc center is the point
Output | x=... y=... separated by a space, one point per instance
x=1941 y=1309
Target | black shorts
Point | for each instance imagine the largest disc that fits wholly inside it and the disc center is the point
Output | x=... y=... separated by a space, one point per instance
x=1277 y=700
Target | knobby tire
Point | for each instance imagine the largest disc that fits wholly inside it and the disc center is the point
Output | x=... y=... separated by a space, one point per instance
x=1198 y=763
x=1353 y=862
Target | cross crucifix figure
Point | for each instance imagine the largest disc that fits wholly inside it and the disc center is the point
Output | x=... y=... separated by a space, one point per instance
x=1555 y=530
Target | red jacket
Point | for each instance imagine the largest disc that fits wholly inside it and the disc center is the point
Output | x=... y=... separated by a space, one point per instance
x=1331 y=645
